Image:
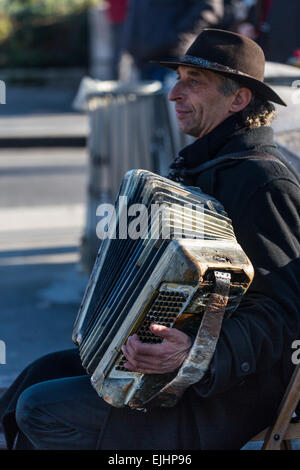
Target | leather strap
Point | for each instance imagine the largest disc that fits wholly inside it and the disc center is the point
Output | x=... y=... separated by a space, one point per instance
x=199 y=358
x=249 y=155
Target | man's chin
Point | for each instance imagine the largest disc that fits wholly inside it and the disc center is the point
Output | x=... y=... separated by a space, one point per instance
x=188 y=131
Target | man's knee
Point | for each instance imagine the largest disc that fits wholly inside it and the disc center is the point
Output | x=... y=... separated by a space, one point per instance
x=27 y=410
x=49 y=422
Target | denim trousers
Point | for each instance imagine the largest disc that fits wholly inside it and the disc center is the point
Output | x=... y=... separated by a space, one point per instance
x=61 y=414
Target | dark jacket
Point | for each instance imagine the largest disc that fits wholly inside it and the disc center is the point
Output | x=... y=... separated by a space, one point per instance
x=252 y=362
x=155 y=29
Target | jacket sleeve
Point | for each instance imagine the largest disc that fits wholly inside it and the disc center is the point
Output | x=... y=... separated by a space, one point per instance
x=263 y=328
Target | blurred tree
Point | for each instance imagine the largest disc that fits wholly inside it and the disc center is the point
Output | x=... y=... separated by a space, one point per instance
x=45 y=7
x=38 y=33
x=6 y=26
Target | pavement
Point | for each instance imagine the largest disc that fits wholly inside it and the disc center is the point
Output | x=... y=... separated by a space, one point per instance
x=41 y=116
x=44 y=175
x=42 y=213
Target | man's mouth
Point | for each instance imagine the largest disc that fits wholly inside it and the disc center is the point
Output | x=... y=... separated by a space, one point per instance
x=181 y=113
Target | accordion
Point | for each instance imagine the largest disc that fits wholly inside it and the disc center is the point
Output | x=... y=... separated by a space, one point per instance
x=168 y=255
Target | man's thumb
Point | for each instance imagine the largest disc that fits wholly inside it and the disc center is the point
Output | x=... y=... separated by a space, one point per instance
x=161 y=330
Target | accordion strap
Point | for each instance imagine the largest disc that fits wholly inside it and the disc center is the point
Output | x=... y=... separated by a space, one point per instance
x=197 y=363
x=238 y=156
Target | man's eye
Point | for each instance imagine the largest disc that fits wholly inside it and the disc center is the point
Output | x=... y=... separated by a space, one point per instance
x=195 y=82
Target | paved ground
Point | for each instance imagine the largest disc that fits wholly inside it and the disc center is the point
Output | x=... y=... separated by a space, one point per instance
x=33 y=115
x=54 y=125
x=22 y=101
x=42 y=214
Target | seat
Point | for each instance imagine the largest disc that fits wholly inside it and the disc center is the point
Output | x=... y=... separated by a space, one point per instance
x=285 y=427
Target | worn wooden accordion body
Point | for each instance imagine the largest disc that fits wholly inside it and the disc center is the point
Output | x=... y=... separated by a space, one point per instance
x=169 y=256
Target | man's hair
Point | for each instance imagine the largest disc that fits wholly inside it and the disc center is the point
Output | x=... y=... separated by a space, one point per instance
x=259 y=112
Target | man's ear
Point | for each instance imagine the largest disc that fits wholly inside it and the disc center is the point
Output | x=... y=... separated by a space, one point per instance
x=241 y=99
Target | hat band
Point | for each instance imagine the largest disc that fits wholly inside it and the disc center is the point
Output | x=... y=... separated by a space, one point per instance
x=212 y=65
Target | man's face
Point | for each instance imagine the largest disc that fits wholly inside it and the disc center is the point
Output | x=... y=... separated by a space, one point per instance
x=199 y=104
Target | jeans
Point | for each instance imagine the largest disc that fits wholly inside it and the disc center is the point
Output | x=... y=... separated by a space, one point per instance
x=62 y=414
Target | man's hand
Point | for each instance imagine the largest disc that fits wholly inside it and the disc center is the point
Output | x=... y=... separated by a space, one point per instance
x=157 y=358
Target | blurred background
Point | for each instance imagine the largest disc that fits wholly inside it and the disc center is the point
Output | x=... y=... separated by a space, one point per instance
x=80 y=105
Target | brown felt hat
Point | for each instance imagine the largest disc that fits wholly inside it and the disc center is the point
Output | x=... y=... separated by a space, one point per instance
x=229 y=54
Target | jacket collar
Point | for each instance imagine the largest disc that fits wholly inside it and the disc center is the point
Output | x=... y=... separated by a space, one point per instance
x=229 y=137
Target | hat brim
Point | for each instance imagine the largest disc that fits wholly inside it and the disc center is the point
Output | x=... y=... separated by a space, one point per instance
x=260 y=88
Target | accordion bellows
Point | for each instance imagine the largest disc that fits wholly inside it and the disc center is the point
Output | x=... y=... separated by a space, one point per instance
x=176 y=263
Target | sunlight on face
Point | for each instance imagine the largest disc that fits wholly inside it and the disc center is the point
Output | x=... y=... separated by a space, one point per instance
x=199 y=104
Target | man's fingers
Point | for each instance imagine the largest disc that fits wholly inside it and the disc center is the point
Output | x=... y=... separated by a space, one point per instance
x=140 y=360
x=171 y=334
x=136 y=347
x=163 y=331
x=157 y=358
x=143 y=364
x=140 y=366
x=136 y=352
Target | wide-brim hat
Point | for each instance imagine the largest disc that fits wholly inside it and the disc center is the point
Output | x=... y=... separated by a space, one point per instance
x=229 y=54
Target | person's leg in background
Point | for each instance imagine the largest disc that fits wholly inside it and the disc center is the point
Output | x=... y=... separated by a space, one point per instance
x=116 y=34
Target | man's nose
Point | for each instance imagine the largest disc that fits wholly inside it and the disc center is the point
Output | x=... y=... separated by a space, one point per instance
x=176 y=92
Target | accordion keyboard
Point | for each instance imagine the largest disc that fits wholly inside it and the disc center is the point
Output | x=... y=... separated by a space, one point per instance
x=164 y=311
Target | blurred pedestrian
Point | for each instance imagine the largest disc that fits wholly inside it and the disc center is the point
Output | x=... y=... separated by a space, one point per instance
x=117 y=11
x=276 y=27
x=239 y=17
x=163 y=30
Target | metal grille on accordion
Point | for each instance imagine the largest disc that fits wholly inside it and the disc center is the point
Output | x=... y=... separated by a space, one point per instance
x=176 y=263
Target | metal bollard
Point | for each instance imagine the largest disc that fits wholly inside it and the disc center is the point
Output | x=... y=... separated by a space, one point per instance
x=130 y=128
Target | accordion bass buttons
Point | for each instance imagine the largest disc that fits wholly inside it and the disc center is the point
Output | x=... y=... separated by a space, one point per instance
x=164 y=310
x=168 y=305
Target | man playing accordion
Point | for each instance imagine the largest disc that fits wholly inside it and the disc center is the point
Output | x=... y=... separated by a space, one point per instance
x=221 y=100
